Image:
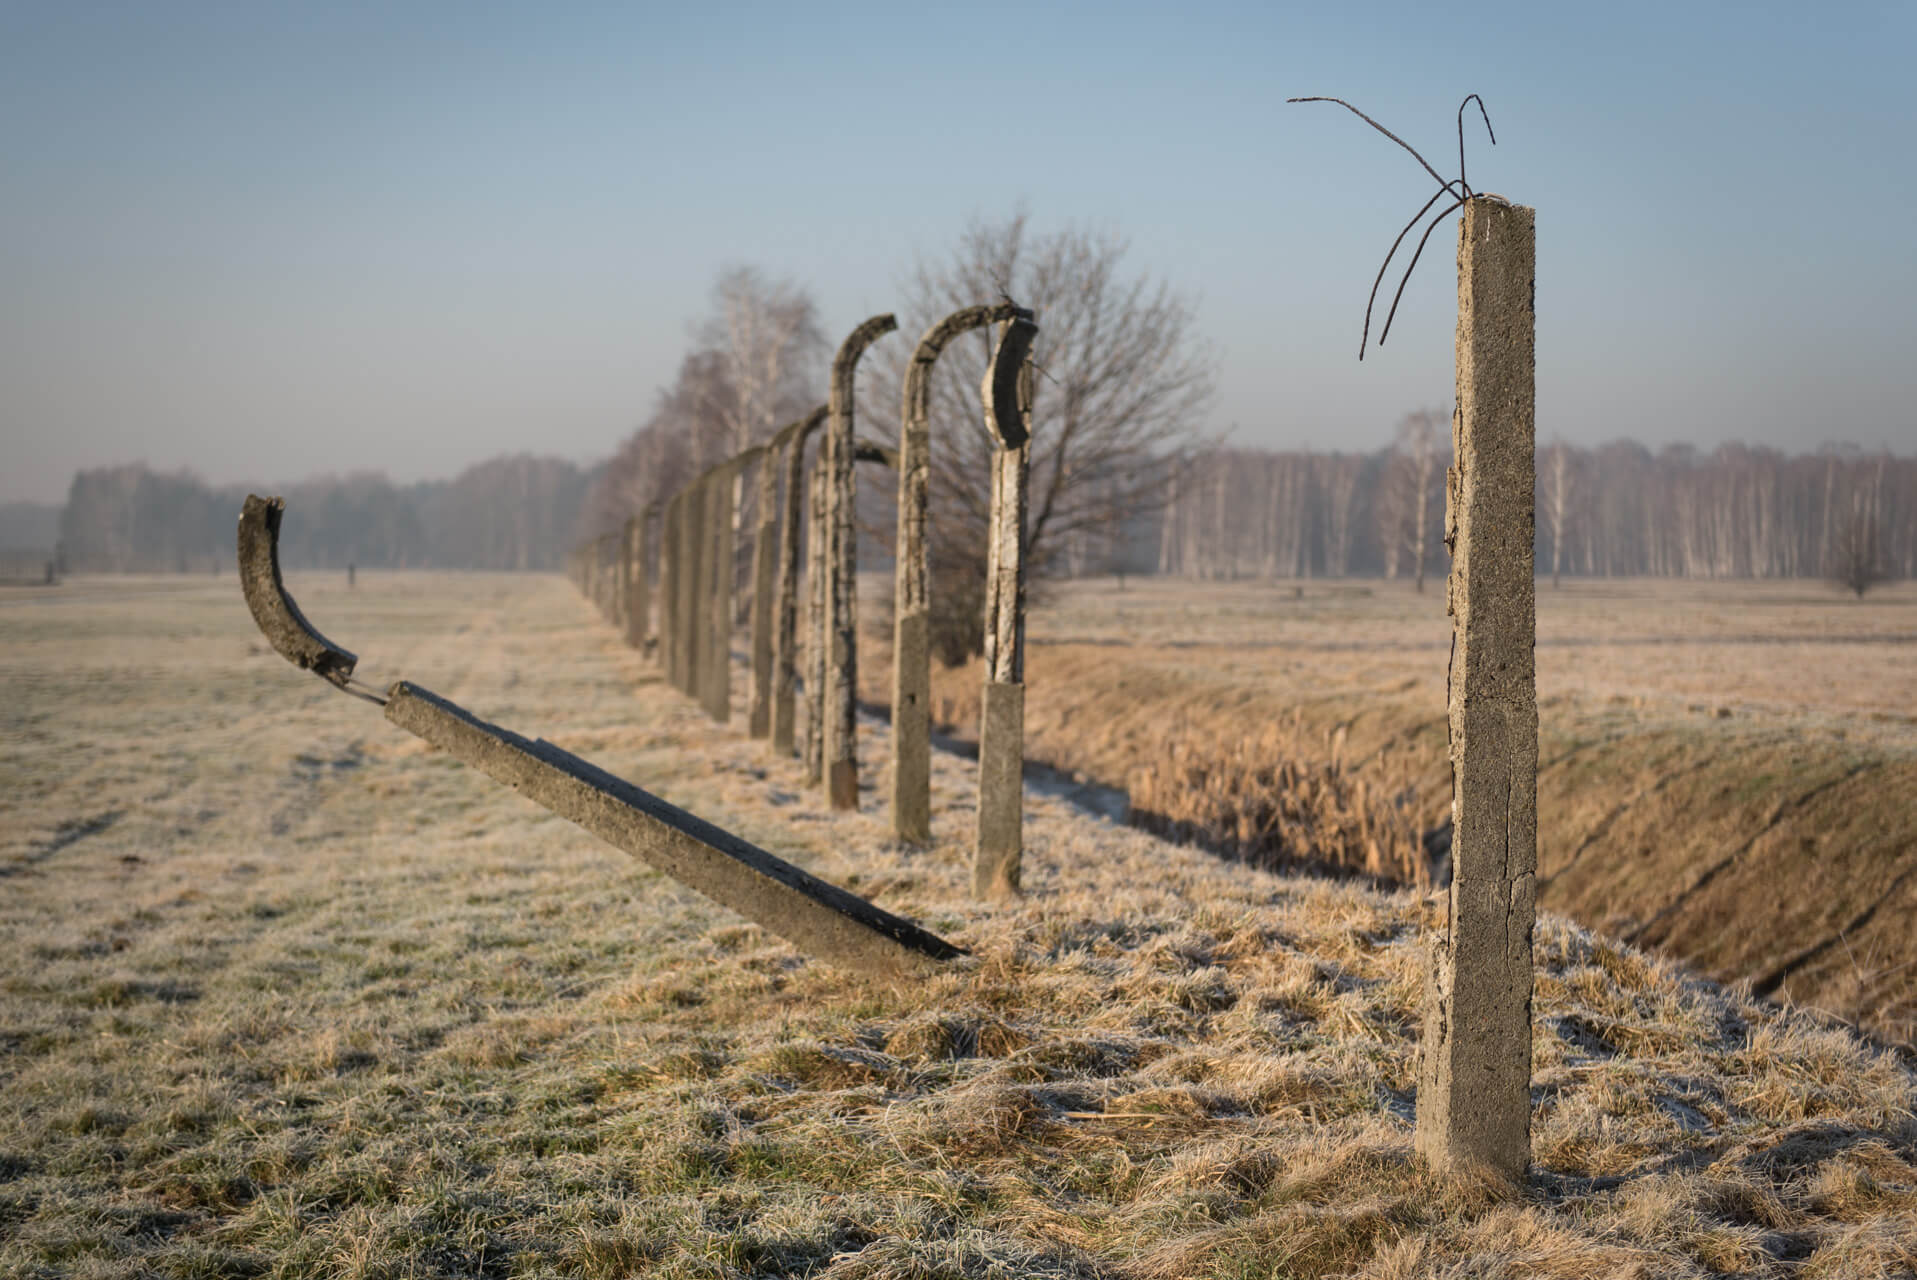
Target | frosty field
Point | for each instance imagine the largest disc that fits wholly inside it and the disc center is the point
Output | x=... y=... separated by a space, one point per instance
x=282 y=992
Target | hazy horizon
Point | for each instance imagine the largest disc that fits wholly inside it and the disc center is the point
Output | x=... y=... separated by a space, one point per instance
x=274 y=244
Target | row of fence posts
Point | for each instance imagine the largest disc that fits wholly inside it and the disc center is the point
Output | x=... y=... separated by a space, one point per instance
x=668 y=580
x=1473 y=1108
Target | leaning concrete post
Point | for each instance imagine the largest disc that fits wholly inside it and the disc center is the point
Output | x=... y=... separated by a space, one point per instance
x=817 y=552
x=1001 y=743
x=842 y=565
x=911 y=595
x=1474 y=1072
x=785 y=664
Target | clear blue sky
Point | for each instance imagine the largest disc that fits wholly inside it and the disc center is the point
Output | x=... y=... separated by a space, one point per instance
x=265 y=241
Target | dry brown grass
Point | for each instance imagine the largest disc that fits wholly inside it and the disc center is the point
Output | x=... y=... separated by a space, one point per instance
x=1284 y=800
x=319 y=1002
x=1726 y=768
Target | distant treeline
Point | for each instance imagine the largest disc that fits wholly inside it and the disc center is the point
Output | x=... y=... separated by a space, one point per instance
x=1617 y=510
x=518 y=512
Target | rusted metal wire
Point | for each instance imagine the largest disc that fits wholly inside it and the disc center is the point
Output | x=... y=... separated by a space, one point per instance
x=1456 y=187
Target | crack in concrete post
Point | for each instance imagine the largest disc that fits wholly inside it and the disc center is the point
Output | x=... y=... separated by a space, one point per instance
x=1474 y=1107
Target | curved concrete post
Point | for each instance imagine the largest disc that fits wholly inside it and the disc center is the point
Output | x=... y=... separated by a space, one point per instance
x=1001 y=745
x=785 y=654
x=842 y=626
x=911 y=636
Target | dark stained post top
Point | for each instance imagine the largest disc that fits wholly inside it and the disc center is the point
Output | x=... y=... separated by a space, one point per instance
x=278 y=618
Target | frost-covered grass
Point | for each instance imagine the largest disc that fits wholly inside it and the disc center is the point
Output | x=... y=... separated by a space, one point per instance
x=284 y=992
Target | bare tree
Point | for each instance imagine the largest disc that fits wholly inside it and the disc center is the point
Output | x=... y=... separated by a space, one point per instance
x=1122 y=391
x=1856 y=547
x=755 y=364
x=766 y=335
x=1556 y=504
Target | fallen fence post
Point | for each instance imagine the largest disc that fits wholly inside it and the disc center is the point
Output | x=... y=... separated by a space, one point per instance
x=911 y=594
x=819 y=918
x=785 y=665
x=1474 y=1074
x=1001 y=746
x=842 y=626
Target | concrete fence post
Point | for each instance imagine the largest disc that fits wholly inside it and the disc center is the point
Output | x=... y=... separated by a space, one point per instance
x=639 y=613
x=1001 y=747
x=817 y=552
x=669 y=588
x=723 y=492
x=911 y=595
x=1474 y=1070
x=842 y=565
x=715 y=686
x=628 y=555
x=765 y=569
x=785 y=664
x=692 y=618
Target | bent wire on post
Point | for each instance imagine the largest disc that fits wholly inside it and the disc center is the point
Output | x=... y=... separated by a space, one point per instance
x=817 y=917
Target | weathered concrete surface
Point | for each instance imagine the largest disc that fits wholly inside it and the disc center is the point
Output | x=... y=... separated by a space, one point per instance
x=842 y=563
x=1001 y=802
x=911 y=593
x=785 y=652
x=820 y=919
x=1001 y=790
x=278 y=618
x=1474 y=1072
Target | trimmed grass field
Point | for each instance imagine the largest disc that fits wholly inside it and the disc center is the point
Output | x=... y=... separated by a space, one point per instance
x=283 y=992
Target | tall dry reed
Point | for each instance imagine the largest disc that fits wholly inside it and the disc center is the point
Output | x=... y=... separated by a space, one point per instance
x=1279 y=800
